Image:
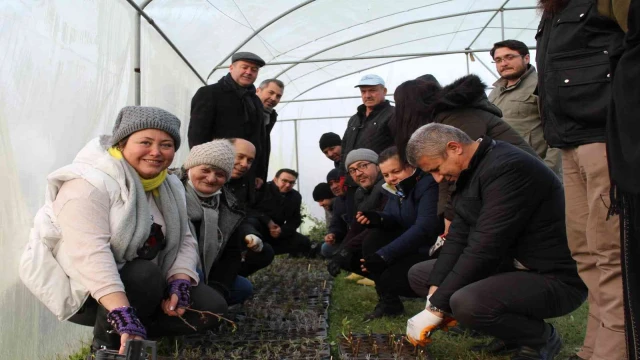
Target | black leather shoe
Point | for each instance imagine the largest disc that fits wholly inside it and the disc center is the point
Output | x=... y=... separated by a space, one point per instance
x=495 y=347
x=459 y=330
x=385 y=307
x=547 y=352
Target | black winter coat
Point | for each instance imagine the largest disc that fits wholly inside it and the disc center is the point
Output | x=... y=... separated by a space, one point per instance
x=339 y=225
x=574 y=73
x=509 y=206
x=464 y=105
x=283 y=209
x=217 y=111
x=370 y=132
x=412 y=209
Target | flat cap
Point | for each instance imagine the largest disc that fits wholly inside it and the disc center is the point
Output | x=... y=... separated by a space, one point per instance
x=248 y=56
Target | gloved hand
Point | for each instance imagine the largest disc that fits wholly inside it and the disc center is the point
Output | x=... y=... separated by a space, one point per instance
x=438 y=245
x=254 y=243
x=370 y=219
x=420 y=327
x=373 y=263
x=333 y=267
x=182 y=289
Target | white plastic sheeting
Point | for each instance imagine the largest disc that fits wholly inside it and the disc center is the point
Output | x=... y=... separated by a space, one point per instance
x=67 y=67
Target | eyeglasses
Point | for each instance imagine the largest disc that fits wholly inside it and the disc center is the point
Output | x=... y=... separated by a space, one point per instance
x=508 y=57
x=361 y=168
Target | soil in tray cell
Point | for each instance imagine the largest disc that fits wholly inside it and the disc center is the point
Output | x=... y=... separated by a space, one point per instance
x=379 y=346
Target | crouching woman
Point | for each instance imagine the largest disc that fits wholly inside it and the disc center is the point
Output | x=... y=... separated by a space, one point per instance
x=111 y=248
x=217 y=220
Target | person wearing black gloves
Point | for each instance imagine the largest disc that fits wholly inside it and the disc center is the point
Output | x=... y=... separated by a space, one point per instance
x=506 y=265
x=402 y=233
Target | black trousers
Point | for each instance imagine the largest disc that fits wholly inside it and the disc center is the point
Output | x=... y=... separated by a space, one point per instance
x=511 y=306
x=145 y=286
x=254 y=261
x=394 y=280
x=295 y=245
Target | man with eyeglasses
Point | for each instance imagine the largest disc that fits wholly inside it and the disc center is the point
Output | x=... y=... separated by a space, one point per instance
x=362 y=167
x=514 y=94
x=280 y=206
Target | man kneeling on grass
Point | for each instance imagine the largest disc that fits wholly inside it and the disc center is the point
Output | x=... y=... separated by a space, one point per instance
x=505 y=266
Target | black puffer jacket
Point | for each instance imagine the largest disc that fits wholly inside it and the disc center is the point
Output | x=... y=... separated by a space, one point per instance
x=464 y=104
x=574 y=49
x=509 y=206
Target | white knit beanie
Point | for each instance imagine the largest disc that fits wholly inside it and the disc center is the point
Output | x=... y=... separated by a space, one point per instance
x=218 y=153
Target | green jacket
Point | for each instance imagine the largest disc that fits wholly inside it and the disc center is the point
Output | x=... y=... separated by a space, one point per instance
x=520 y=110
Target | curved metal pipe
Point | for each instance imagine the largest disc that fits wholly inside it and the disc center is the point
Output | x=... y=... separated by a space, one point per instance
x=402 y=25
x=256 y=32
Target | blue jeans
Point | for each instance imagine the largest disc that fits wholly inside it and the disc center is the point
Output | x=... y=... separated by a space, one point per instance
x=328 y=250
x=240 y=291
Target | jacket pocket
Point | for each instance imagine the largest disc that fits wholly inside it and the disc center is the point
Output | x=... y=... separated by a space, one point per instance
x=580 y=82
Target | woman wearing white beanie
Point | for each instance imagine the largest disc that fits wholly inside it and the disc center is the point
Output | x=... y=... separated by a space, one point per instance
x=217 y=221
x=111 y=248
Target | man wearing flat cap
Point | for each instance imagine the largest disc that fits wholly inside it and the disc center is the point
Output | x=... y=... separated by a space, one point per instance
x=230 y=108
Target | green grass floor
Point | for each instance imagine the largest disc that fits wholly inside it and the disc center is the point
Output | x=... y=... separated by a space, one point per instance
x=350 y=302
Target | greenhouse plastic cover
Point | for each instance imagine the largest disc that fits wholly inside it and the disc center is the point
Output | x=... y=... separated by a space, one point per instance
x=68 y=66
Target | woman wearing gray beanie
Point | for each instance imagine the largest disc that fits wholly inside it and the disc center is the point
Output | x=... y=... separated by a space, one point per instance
x=125 y=261
x=217 y=221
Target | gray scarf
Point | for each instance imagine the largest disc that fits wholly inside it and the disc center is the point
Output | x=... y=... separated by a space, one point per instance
x=210 y=241
x=134 y=230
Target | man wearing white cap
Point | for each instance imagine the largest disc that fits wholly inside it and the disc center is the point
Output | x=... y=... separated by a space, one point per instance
x=369 y=128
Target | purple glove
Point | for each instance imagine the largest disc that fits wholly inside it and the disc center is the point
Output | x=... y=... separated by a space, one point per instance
x=182 y=288
x=124 y=321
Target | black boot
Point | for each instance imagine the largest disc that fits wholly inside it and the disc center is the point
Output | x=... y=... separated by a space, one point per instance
x=495 y=347
x=546 y=352
x=388 y=305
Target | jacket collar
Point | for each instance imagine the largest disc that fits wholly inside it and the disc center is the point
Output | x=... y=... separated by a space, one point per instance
x=362 y=109
x=405 y=186
x=486 y=145
x=502 y=82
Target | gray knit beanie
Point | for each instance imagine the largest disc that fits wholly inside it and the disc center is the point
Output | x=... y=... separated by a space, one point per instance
x=361 y=155
x=218 y=153
x=135 y=118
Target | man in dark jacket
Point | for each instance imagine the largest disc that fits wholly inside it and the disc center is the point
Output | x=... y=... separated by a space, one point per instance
x=402 y=234
x=280 y=206
x=575 y=46
x=331 y=147
x=368 y=128
x=270 y=93
x=323 y=195
x=339 y=225
x=362 y=166
x=242 y=188
x=505 y=266
x=231 y=109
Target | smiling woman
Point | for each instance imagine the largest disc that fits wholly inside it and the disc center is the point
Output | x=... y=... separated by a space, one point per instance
x=118 y=221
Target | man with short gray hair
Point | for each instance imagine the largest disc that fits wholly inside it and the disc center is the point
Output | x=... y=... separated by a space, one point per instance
x=506 y=265
x=270 y=93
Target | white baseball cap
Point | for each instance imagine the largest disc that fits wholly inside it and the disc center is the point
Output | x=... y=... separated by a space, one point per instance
x=370 y=80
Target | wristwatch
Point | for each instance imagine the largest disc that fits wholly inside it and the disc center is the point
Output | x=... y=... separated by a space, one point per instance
x=433 y=308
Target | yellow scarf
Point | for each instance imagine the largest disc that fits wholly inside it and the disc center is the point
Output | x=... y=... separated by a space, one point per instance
x=148 y=184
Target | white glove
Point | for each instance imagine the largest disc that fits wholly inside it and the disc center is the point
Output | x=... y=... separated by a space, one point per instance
x=254 y=243
x=420 y=327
